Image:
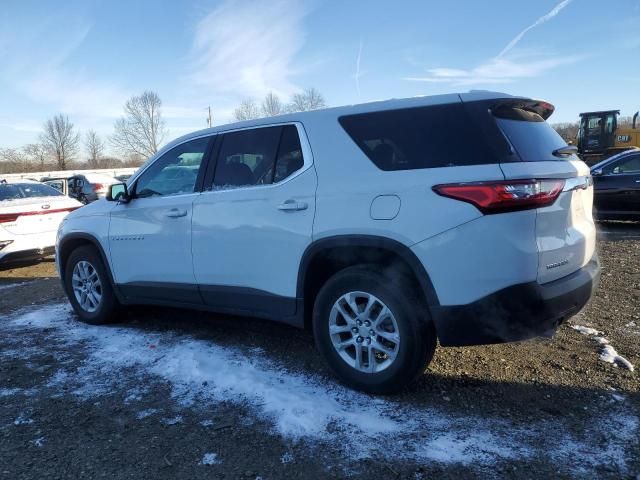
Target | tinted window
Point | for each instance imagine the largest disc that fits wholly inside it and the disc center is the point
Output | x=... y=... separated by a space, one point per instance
x=13 y=191
x=175 y=172
x=529 y=134
x=289 y=154
x=247 y=157
x=425 y=137
x=628 y=165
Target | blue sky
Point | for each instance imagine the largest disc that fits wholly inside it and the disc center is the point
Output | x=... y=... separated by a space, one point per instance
x=85 y=58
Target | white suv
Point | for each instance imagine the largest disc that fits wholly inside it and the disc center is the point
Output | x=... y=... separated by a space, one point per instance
x=382 y=227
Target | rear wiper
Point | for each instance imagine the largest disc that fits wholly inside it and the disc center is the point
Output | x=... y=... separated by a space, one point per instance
x=565 y=151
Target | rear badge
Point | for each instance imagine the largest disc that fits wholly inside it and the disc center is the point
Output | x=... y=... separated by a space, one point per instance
x=45 y=207
x=557 y=264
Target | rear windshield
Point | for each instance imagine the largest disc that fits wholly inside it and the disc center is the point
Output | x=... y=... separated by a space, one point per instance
x=422 y=137
x=533 y=139
x=15 y=191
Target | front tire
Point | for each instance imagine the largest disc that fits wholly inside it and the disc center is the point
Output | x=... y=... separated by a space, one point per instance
x=89 y=288
x=371 y=330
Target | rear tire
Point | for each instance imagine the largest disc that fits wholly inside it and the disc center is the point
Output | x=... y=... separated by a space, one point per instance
x=403 y=340
x=89 y=288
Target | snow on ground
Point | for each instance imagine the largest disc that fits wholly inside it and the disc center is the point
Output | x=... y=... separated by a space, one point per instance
x=7 y=286
x=209 y=459
x=304 y=407
x=607 y=352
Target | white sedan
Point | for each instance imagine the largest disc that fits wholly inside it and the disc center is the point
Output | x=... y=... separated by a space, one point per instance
x=30 y=213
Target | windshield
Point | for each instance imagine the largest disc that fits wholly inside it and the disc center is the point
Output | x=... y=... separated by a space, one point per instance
x=15 y=191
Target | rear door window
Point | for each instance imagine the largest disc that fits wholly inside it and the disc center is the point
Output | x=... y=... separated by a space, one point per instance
x=258 y=156
x=421 y=137
x=533 y=139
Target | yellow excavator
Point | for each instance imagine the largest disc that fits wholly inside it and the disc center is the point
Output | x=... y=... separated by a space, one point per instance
x=600 y=137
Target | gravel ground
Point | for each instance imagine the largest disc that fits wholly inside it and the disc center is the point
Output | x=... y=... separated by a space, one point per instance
x=169 y=394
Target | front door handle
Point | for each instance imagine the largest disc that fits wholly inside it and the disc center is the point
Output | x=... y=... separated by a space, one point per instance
x=176 y=213
x=292 y=206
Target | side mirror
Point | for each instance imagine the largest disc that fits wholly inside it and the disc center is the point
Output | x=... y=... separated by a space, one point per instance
x=118 y=193
x=596 y=173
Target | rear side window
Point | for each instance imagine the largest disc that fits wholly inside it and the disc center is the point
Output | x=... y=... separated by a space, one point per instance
x=258 y=156
x=533 y=139
x=423 y=137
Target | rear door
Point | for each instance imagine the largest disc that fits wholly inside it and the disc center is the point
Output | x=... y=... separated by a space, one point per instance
x=565 y=231
x=254 y=220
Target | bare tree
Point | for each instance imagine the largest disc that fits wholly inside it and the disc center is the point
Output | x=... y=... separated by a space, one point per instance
x=37 y=153
x=142 y=129
x=310 y=99
x=60 y=139
x=95 y=148
x=248 y=110
x=271 y=105
x=567 y=130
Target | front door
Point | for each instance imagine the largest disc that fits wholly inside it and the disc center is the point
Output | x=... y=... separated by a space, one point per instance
x=618 y=187
x=252 y=226
x=150 y=236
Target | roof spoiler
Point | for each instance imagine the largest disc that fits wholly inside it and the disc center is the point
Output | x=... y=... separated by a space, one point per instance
x=541 y=107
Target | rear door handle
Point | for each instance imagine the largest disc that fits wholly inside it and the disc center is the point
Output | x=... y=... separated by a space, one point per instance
x=292 y=206
x=176 y=213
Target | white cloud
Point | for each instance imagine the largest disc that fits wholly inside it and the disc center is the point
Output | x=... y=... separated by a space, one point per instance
x=247 y=49
x=496 y=70
x=506 y=67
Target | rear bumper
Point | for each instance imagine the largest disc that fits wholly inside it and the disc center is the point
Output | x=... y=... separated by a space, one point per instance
x=519 y=312
x=25 y=256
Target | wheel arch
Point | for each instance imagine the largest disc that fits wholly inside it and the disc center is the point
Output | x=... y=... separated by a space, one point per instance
x=73 y=241
x=327 y=256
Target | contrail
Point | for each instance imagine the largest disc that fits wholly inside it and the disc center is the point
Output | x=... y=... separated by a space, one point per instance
x=540 y=21
x=358 y=68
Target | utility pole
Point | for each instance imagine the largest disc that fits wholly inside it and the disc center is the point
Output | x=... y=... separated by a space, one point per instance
x=209 y=118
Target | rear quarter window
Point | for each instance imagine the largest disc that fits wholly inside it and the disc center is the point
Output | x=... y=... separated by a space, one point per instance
x=533 y=139
x=421 y=137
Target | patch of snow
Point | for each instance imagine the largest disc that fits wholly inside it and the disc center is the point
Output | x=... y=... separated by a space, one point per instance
x=23 y=419
x=207 y=423
x=304 y=407
x=142 y=414
x=8 y=392
x=172 y=421
x=39 y=442
x=586 y=330
x=286 y=458
x=609 y=354
x=7 y=286
x=210 y=459
x=617 y=397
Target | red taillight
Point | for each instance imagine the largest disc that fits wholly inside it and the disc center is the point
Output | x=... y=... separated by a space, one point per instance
x=8 y=217
x=507 y=196
x=12 y=217
x=98 y=187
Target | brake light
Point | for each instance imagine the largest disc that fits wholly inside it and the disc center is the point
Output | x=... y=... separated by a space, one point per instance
x=8 y=217
x=99 y=187
x=504 y=196
x=12 y=217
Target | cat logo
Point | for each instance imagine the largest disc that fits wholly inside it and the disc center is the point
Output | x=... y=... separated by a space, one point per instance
x=623 y=138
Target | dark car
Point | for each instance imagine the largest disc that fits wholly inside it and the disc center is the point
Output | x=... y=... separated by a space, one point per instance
x=85 y=188
x=617 y=187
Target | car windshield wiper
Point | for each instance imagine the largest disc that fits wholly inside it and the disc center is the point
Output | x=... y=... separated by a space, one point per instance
x=565 y=151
